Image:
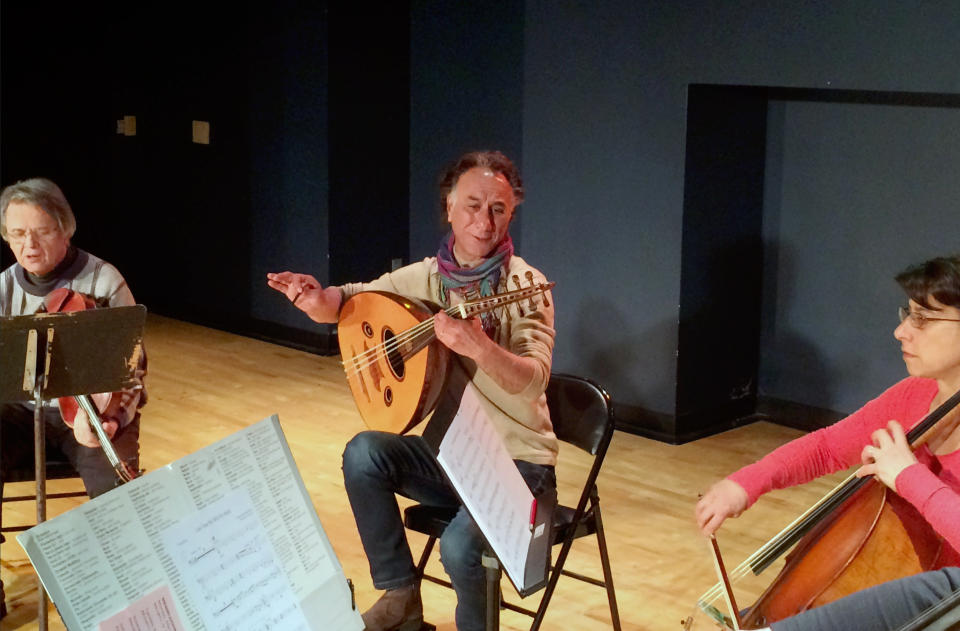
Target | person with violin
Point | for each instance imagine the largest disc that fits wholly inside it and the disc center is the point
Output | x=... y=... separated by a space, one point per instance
x=37 y=223
x=925 y=479
x=507 y=356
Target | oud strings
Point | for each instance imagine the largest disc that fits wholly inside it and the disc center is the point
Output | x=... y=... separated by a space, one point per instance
x=369 y=357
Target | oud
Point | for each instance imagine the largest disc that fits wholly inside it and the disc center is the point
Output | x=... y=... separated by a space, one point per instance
x=395 y=366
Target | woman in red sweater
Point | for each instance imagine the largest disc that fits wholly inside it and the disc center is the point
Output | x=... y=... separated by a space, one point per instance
x=928 y=478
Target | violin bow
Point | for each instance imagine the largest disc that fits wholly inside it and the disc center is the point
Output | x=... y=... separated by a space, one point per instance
x=93 y=417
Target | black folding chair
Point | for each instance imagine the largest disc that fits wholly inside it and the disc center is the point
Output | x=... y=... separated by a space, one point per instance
x=582 y=415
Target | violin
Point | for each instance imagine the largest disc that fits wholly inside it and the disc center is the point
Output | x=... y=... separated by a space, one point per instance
x=65 y=300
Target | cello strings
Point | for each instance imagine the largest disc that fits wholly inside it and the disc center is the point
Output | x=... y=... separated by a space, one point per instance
x=765 y=552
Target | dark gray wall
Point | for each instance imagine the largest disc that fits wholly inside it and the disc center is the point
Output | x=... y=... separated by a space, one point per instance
x=603 y=146
x=287 y=120
x=854 y=194
x=466 y=93
x=589 y=97
x=194 y=228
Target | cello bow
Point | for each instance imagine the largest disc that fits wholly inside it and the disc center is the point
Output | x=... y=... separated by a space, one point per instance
x=776 y=547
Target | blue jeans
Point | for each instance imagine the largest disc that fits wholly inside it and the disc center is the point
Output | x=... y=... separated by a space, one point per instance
x=16 y=446
x=887 y=606
x=376 y=466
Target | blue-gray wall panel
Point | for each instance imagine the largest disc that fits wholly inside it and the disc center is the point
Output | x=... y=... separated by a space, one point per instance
x=855 y=193
x=466 y=93
x=603 y=144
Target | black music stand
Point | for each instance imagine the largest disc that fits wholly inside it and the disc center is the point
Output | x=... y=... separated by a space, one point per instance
x=51 y=355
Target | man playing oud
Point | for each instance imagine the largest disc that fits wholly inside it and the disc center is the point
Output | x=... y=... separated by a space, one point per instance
x=506 y=355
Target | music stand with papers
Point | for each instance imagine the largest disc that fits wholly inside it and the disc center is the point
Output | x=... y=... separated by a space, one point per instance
x=516 y=525
x=51 y=355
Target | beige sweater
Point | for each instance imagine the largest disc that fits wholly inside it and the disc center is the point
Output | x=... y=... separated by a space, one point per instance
x=522 y=419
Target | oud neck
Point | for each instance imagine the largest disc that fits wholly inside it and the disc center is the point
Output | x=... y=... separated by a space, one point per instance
x=471 y=308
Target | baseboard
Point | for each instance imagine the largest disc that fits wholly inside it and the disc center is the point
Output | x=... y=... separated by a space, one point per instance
x=660 y=426
x=796 y=415
x=322 y=341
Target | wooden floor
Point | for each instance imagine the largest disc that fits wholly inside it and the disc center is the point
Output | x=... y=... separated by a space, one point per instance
x=205 y=384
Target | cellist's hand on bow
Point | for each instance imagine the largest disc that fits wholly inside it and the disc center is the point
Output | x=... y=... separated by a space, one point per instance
x=725 y=499
x=887 y=456
x=85 y=434
x=308 y=295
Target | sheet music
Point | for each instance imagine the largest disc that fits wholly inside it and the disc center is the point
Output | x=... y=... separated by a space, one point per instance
x=475 y=460
x=154 y=612
x=239 y=500
x=225 y=556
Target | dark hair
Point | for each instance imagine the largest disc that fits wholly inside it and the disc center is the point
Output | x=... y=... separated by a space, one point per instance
x=938 y=278
x=493 y=160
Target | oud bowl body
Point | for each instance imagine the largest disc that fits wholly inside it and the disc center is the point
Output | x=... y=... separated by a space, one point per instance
x=394 y=365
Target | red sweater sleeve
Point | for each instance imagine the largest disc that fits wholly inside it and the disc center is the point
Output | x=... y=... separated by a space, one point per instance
x=937 y=502
x=838 y=446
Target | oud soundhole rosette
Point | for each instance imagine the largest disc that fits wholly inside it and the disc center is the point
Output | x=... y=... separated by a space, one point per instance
x=367 y=329
x=394 y=356
x=388 y=396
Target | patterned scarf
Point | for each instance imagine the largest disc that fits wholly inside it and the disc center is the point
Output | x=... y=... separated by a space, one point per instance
x=476 y=281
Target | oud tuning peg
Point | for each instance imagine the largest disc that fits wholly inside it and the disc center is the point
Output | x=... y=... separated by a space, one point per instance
x=501 y=289
x=516 y=281
x=529 y=276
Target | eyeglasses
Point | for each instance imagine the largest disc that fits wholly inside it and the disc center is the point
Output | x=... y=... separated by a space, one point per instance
x=18 y=235
x=919 y=319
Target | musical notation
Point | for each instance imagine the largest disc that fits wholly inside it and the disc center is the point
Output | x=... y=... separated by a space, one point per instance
x=478 y=465
x=226 y=557
x=225 y=538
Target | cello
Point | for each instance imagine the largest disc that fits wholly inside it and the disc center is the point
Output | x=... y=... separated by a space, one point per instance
x=859 y=535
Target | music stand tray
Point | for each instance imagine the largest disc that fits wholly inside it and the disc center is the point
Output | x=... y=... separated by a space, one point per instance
x=91 y=351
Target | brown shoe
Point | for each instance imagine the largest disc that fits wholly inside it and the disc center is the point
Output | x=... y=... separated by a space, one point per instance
x=397 y=610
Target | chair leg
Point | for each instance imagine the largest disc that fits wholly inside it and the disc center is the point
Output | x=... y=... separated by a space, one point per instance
x=605 y=562
x=551 y=584
x=493 y=574
x=425 y=556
